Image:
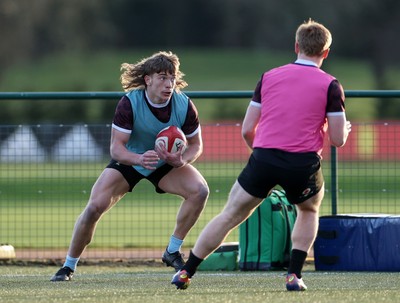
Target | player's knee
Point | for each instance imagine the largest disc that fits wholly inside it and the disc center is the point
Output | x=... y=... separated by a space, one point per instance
x=93 y=212
x=198 y=196
x=203 y=192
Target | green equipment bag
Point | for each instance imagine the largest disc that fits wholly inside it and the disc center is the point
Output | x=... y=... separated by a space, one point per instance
x=225 y=258
x=265 y=237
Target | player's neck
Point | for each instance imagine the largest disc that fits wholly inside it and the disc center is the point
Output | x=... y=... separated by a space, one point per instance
x=316 y=60
x=155 y=104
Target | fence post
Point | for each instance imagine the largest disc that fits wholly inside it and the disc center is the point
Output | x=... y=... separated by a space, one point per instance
x=334 y=179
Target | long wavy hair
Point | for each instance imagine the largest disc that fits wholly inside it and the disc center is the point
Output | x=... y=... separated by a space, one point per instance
x=132 y=76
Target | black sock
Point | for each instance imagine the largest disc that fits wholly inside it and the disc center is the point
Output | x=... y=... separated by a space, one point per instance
x=297 y=259
x=191 y=264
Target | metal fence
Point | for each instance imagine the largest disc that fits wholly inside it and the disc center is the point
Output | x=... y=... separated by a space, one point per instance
x=47 y=171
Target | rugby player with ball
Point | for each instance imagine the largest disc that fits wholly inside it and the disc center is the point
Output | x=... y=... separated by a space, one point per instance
x=153 y=102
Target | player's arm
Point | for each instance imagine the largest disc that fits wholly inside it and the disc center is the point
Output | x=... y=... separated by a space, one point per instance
x=120 y=153
x=120 y=134
x=192 y=129
x=338 y=127
x=194 y=147
x=250 y=123
x=252 y=116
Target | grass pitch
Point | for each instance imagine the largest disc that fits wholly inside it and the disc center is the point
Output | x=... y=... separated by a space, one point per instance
x=152 y=283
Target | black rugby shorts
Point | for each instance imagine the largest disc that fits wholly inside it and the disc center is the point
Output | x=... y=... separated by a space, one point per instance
x=132 y=176
x=299 y=174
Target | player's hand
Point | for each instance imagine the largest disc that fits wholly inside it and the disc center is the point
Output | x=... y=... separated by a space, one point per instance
x=149 y=159
x=173 y=159
x=348 y=126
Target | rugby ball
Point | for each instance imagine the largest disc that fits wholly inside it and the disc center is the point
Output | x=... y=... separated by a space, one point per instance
x=172 y=137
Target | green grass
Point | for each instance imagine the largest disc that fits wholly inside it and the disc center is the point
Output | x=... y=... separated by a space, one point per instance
x=205 y=69
x=39 y=204
x=143 y=283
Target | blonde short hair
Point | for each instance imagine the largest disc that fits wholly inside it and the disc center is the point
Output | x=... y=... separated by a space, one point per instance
x=313 y=38
x=132 y=76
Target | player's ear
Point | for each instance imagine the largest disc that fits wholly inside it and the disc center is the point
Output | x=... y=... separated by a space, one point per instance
x=296 y=48
x=147 y=80
x=326 y=53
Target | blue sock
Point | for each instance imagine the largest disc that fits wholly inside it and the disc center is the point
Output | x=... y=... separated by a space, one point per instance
x=174 y=244
x=71 y=262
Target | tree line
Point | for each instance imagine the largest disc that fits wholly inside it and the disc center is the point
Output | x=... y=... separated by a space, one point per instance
x=364 y=29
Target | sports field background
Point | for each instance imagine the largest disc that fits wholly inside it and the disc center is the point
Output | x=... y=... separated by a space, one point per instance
x=47 y=171
x=48 y=166
x=133 y=283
